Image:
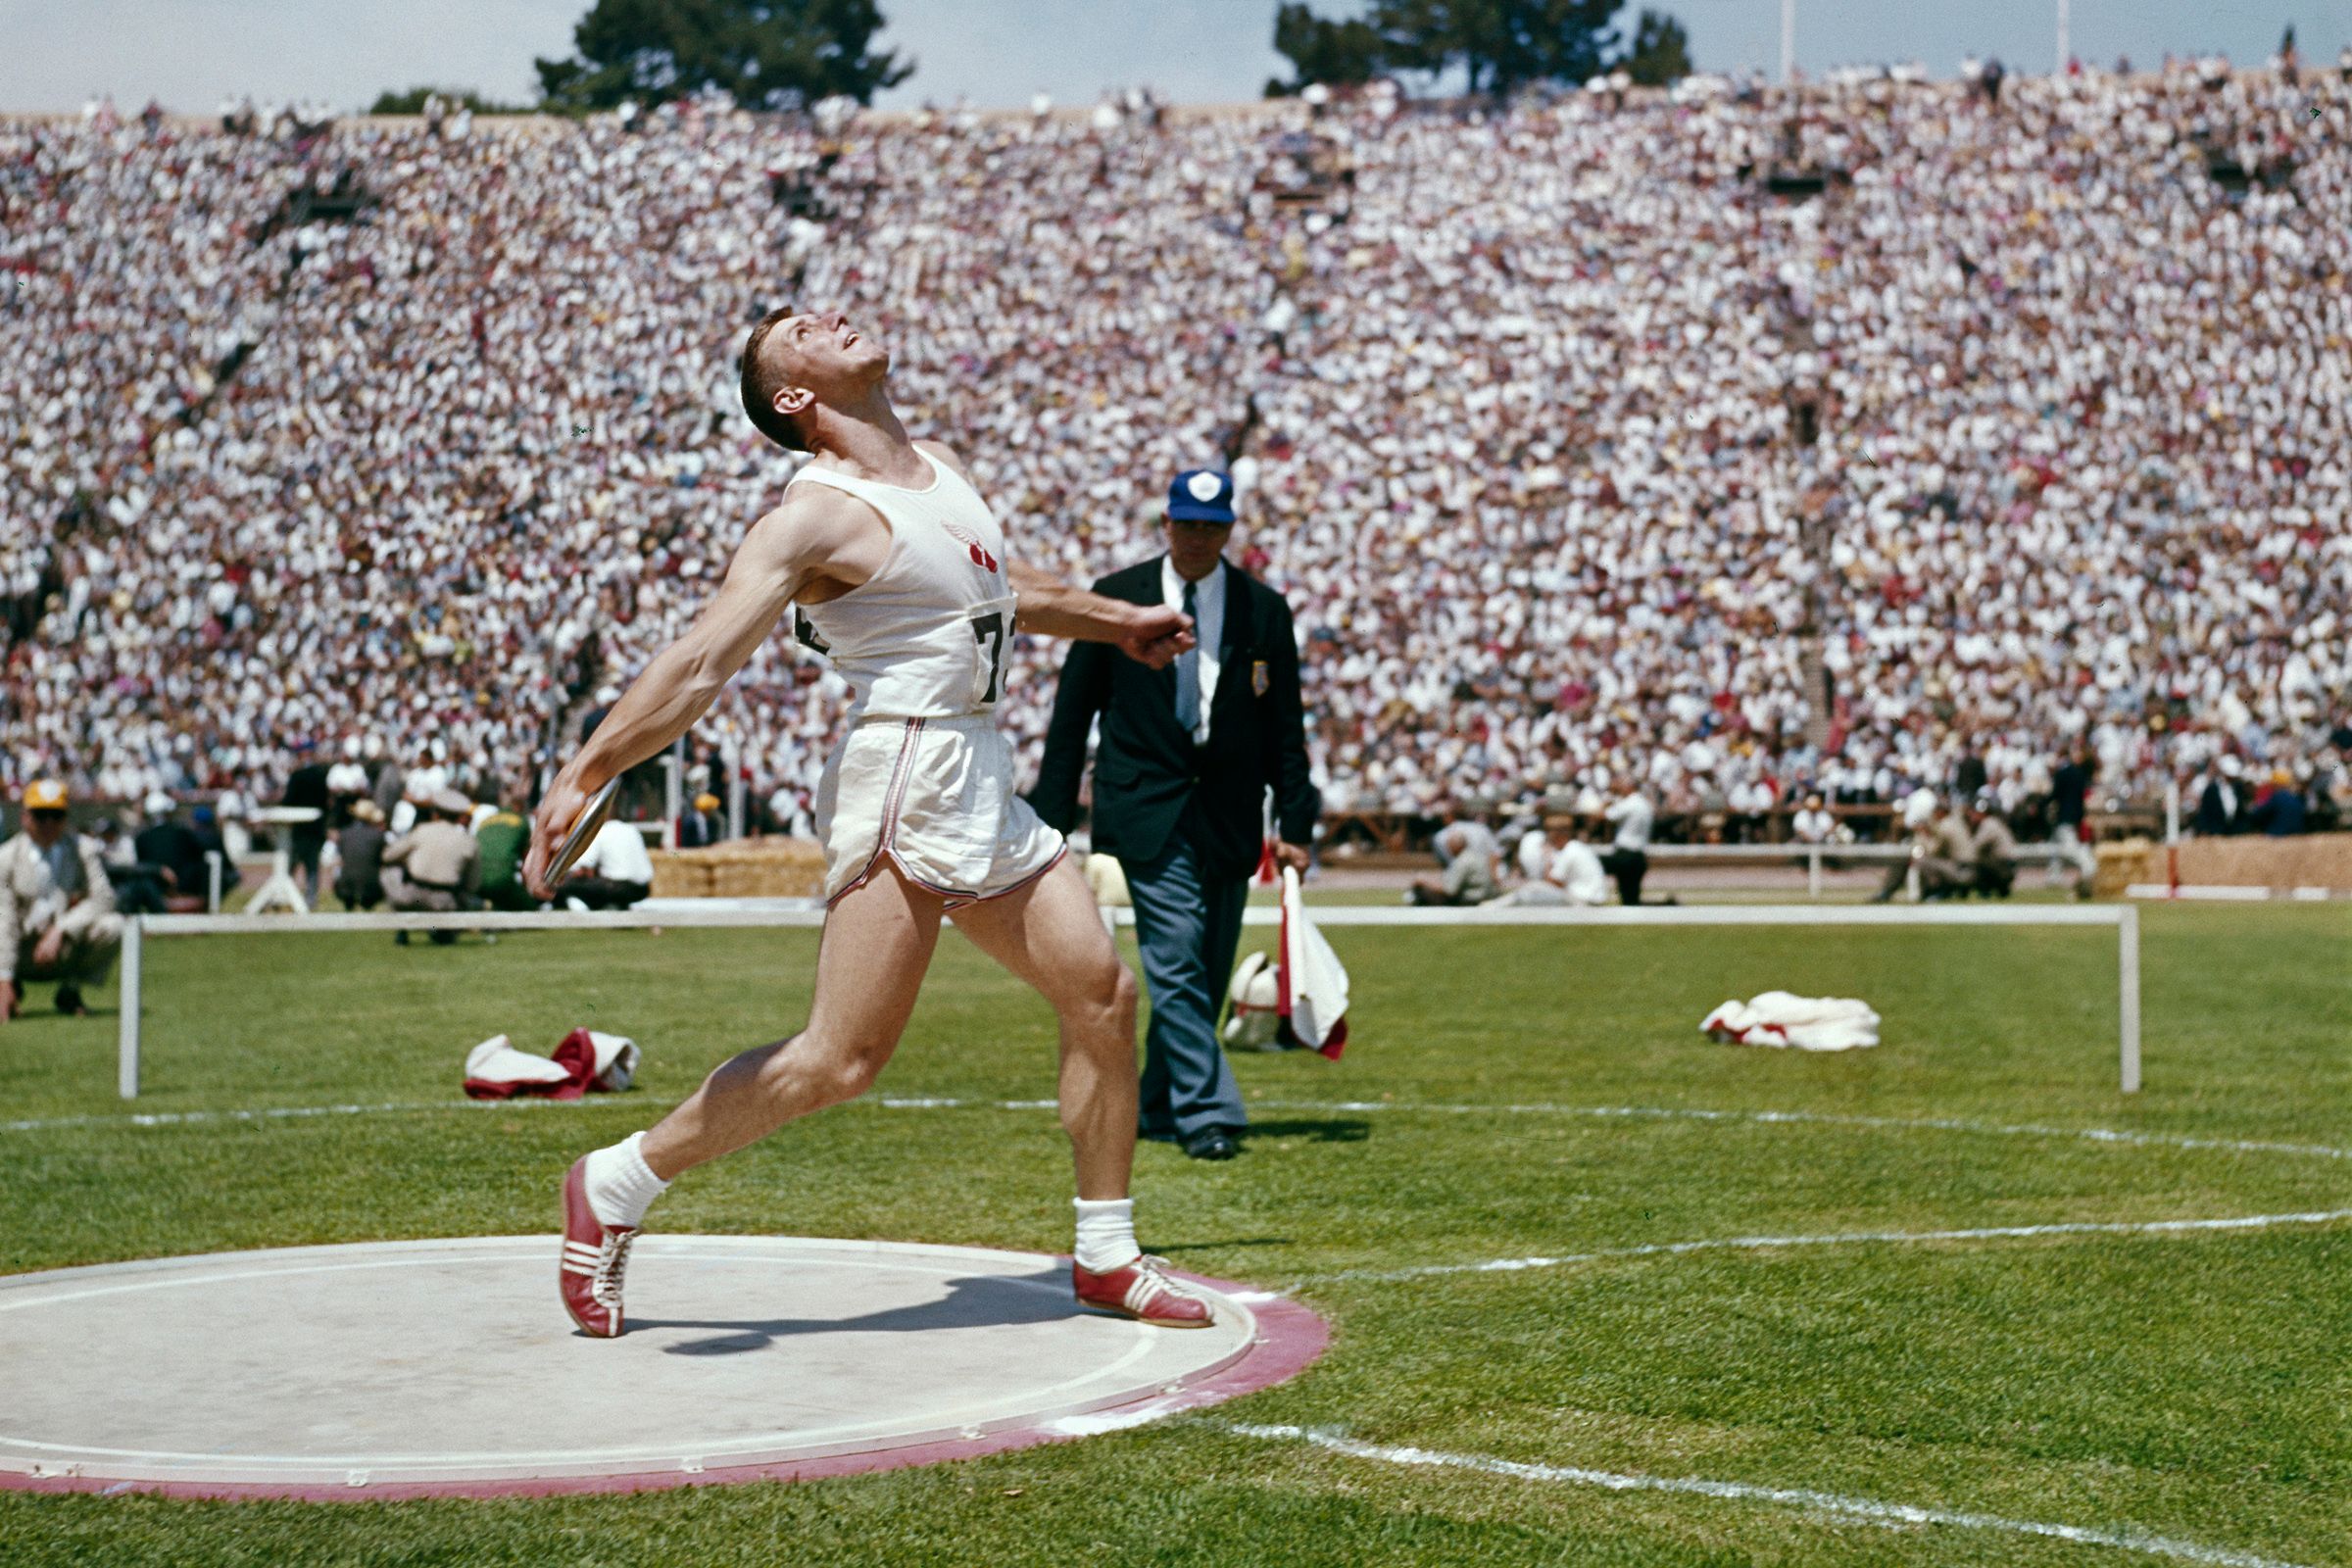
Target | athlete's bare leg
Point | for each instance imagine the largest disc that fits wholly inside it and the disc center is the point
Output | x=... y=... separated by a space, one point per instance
x=1050 y=935
x=877 y=944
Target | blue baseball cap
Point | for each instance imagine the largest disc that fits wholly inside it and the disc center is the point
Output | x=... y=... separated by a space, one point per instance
x=1201 y=495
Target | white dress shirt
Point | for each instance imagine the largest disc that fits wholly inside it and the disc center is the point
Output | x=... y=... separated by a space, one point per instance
x=1632 y=813
x=1208 y=629
x=1575 y=871
x=618 y=854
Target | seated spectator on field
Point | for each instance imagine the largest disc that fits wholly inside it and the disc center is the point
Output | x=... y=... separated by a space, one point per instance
x=173 y=849
x=2280 y=812
x=1470 y=864
x=1942 y=852
x=2330 y=795
x=436 y=867
x=1569 y=872
x=138 y=884
x=360 y=884
x=1813 y=824
x=57 y=907
x=1994 y=848
x=503 y=837
x=2220 y=802
x=614 y=874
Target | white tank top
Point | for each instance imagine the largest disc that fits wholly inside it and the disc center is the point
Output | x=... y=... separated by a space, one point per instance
x=924 y=637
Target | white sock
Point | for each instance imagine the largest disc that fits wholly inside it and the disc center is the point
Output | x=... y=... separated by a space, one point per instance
x=621 y=1185
x=1105 y=1234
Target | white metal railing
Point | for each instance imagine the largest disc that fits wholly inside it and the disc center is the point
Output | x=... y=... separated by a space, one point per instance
x=1814 y=854
x=2124 y=918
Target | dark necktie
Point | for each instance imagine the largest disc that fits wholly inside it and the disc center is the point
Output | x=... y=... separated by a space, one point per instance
x=1188 y=675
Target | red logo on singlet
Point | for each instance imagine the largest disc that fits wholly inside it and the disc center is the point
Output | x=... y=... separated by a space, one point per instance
x=980 y=555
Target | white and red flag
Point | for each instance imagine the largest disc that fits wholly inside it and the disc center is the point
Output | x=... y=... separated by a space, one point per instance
x=1314 y=983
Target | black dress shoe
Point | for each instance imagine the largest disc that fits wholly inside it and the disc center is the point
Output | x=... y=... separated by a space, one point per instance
x=1212 y=1143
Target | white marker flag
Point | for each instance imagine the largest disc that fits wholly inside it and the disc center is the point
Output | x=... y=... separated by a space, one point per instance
x=1314 y=984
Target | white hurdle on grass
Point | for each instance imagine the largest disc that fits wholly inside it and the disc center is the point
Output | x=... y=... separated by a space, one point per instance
x=2124 y=918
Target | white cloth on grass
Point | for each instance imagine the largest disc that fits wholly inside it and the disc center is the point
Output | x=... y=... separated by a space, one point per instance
x=1803 y=1024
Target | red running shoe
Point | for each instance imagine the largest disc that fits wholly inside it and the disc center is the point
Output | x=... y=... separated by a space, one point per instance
x=595 y=1255
x=1143 y=1290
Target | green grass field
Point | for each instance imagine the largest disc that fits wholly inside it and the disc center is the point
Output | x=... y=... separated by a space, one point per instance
x=2193 y=1386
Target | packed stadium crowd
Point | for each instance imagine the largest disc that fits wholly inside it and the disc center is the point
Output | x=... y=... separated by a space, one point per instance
x=1589 y=443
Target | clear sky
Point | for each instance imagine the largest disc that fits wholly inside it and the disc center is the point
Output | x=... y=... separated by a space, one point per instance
x=191 y=53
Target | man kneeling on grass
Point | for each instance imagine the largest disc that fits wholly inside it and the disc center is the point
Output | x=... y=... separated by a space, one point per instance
x=57 y=907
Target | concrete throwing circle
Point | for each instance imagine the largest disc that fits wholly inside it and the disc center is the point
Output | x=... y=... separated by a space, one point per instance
x=448 y=1368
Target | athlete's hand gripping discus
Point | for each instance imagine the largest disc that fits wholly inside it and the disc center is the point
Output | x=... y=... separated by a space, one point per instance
x=583 y=832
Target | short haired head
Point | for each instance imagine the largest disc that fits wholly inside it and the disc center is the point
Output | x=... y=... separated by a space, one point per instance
x=793 y=361
x=759 y=379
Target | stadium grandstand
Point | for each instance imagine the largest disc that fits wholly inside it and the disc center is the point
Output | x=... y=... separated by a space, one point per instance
x=1862 y=436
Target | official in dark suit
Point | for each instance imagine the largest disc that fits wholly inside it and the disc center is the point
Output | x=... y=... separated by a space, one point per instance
x=1181 y=775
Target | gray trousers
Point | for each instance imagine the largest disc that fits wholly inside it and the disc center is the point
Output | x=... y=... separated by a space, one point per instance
x=1187 y=925
x=87 y=958
x=415 y=897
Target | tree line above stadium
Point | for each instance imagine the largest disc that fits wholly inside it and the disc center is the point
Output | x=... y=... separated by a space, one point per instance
x=784 y=54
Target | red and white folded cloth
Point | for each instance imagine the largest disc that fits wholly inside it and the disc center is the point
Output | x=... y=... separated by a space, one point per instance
x=1293 y=998
x=587 y=1060
x=1800 y=1023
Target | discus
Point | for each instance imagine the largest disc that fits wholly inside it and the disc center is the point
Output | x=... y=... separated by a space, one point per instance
x=584 y=829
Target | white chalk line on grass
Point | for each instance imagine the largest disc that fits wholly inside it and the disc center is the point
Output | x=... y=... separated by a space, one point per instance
x=2095 y=1135
x=191 y=1118
x=1825 y=1118
x=1735 y=1244
x=1868 y=1511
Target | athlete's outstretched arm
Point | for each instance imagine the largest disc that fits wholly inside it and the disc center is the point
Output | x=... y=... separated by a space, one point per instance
x=779 y=556
x=1151 y=635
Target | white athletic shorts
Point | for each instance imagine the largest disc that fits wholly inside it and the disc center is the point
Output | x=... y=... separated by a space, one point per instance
x=934 y=794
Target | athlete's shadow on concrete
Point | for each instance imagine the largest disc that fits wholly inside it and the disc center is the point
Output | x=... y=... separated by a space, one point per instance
x=987 y=1301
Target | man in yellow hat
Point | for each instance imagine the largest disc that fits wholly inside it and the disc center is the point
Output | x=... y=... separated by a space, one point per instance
x=702 y=825
x=57 y=907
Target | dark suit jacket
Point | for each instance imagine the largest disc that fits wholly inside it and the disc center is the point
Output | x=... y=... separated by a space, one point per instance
x=1149 y=775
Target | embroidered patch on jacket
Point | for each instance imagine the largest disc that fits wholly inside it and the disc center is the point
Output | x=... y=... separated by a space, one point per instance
x=1260 y=680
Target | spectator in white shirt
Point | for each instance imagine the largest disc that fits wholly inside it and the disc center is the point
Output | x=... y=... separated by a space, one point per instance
x=1566 y=871
x=1813 y=824
x=615 y=873
x=1628 y=860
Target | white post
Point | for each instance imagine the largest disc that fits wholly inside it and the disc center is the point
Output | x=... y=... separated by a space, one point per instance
x=1813 y=873
x=2127 y=967
x=673 y=799
x=734 y=760
x=212 y=870
x=2064 y=53
x=1789 y=40
x=127 y=1028
x=2172 y=810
